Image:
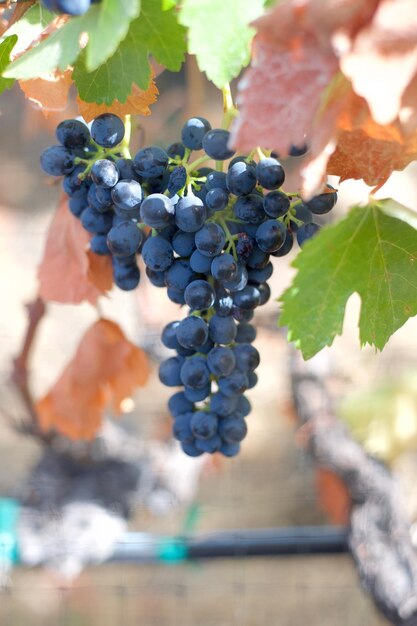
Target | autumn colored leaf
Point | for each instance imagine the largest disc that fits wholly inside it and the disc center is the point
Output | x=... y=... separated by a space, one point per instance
x=136 y=104
x=100 y=271
x=368 y=150
x=66 y=273
x=105 y=369
x=49 y=93
x=290 y=69
x=383 y=58
x=333 y=497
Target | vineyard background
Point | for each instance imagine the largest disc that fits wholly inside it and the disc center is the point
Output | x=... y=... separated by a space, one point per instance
x=270 y=484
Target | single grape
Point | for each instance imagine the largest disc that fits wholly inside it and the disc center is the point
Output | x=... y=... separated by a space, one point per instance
x=244 y=407
x=96 y=222
x=190 y=449
x=57 y=161
x=126 y=277
x=238 y=283
x=233 y=384
x=195 y=373
x=252 y=380
x=216 y=199
x=157 y=253
x=103 y=198
x=260 y=275
x=323 y=203
x=306 y=232
x=192 y=332
x=222 y=329
x=215 y=144
x=224 y=267
x=221 y=361
x=204 y=424
x=210 y=239
x=233 y=429
x=286 y=247
x=107 y=130
x=177 y=179
x=179 y=275
x=224 y=303
x=72 y=7
x=157 y=278
x=178 y=404
x=127 y=196
x=182 y=428
x=270 y=235
x=193 y=132
x=190 y=214
x=72 y=134
x=124 y=239
x=247 y=357
x=296 y=151
x=248 y=298
x=223 y=405
x=104 y=173
x=230 y=449
x=183 y=243
x=176 y=150
x=199 y=295
x=77 y=206
x=200 y=263
x=216 y=180
x=276 y=204
x=157 y=211
x=151 y=162
x=270 y=173
x=197 y=395
x=169 y=371
x=126 y=170
x=211 y=445
x=301 y=212
x=265 y=291
x=98 y=245
x=176 y=295
x=258 y=258
x=249 y=208
x=241 y=178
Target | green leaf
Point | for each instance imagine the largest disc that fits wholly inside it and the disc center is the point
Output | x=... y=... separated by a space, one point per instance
x=220 y=35
x=169 y=4
x=110 y=29
x=153 y=32
x=113 y=80
x=161 y=33
x=29 y=27
x=371 y=252
x=6 y=47
x=57 y=51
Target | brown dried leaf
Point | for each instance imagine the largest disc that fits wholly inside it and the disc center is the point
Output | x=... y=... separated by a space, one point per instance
x=383 y=58
x=66 y=270
x=49 y=93
x=105 y=369
x=136 y=104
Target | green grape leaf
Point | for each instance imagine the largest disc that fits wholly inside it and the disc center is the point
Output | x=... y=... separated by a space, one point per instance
x=161 y=33
x=32 y=23
x=169 y=4
x=57 y=51
x=220 y=36
x=372 y=252
x=110 y=29
x=6 y=47
x=153 y=32
x=113 y=80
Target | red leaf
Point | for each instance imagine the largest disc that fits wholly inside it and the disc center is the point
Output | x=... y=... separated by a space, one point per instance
x=105 y=369
x=66 y=273
x=383 y=58
x=49 y=93
x=281 y=92
x=368 y=150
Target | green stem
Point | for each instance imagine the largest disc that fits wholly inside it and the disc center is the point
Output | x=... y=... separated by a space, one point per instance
x=192 y=166
x=229 y=109
x=124 y=146
x=229 y=237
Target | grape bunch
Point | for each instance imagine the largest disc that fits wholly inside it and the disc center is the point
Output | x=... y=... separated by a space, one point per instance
x=204 y=234
x=69 y=7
